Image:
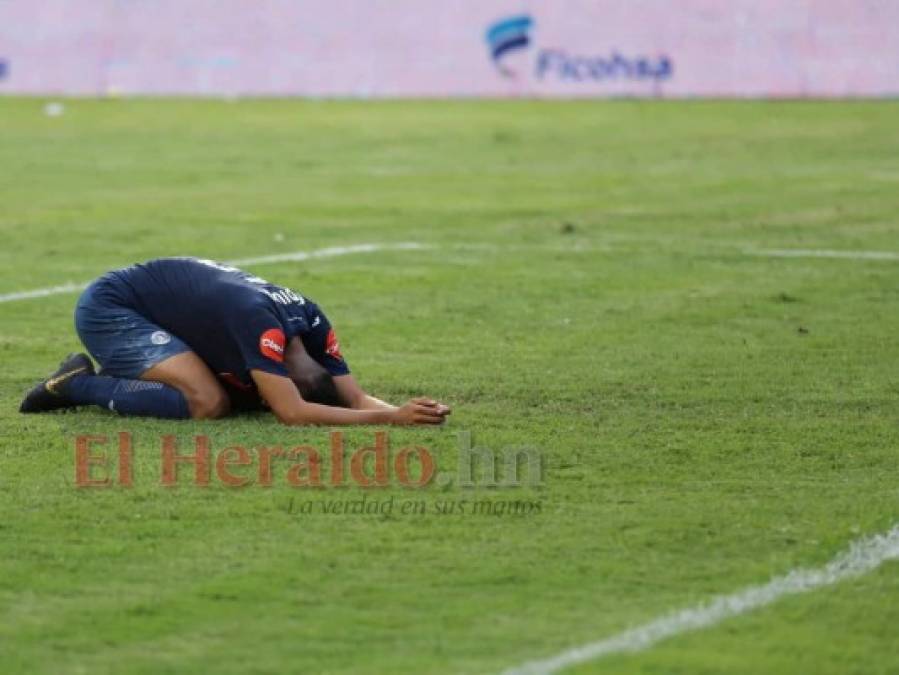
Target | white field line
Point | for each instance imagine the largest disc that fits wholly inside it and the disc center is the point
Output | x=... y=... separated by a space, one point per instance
x=864 y=555
x=331 y=252
x=335 y=251
x=42 y=292
x=823 y=253
x=296 y=256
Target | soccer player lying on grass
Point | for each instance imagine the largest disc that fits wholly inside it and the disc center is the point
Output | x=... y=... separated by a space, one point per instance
x=183 y=337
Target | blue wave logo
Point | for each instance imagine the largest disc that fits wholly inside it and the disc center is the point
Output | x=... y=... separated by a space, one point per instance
x=508 y=35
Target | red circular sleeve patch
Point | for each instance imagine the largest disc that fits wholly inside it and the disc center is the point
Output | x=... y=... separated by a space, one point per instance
x=332 y=347
x=271 y=344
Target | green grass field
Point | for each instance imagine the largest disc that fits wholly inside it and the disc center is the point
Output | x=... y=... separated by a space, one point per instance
x=708 y=417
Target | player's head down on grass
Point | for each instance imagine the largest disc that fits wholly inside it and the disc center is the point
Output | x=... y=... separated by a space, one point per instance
x=321 y=390
x=189 y=338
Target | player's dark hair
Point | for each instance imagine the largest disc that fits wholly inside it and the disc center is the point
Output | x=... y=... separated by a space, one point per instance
x=320 y=388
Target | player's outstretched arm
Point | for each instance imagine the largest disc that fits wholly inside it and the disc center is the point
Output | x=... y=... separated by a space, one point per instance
x=289 y=407
x=356 y=397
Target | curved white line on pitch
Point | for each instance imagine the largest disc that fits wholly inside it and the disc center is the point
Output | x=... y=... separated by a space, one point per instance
x=864 y=555
x=823 y=253
x=330 y=252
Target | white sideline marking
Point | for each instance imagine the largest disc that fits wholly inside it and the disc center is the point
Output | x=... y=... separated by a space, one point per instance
x=824 y=253
x=864 y=555
x=42 y=292
x=330 y=252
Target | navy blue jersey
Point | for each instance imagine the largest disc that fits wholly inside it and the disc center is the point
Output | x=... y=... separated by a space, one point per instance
x=234 y=321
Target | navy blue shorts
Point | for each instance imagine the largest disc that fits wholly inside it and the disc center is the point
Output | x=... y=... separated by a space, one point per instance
x=121 y=340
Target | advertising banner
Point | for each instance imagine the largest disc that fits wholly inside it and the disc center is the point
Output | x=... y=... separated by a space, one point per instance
x=462 y=48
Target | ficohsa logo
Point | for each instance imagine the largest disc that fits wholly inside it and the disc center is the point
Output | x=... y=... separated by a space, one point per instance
x=505 y=37
x=509 y=41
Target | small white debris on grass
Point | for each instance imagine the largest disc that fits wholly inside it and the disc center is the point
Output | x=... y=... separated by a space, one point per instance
x=54 y=109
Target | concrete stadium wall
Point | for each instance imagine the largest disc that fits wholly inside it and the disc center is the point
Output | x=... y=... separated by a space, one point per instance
x=445 y=48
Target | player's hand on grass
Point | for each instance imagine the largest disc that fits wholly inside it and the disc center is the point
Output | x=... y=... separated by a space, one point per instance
x=421 y=411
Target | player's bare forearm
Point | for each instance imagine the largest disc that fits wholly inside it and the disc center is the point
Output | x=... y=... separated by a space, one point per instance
x=354 y=396
x=416 y=411
x=369 y=402
x=285 y=401
x=314 y=413
x=364 y=401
